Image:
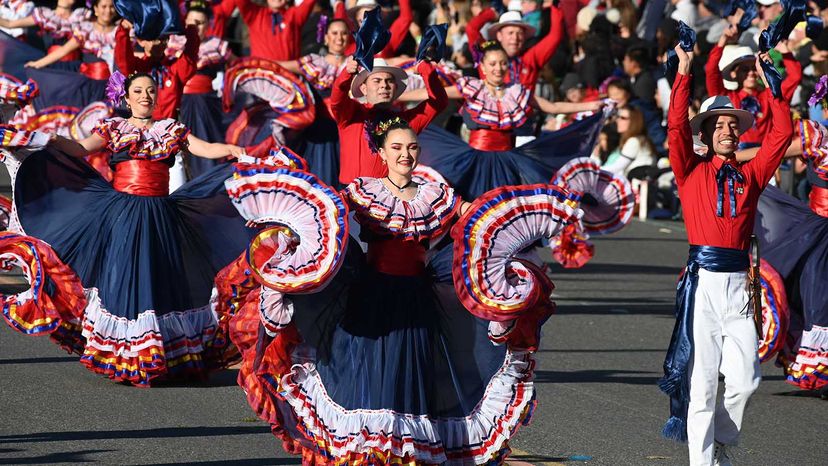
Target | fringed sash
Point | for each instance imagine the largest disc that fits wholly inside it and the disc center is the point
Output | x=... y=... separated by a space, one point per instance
x=676 y=380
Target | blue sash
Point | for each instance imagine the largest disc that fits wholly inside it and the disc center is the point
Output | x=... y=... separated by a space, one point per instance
x=676 y=380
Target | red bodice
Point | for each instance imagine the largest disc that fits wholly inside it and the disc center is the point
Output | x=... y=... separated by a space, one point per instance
x=397 y=257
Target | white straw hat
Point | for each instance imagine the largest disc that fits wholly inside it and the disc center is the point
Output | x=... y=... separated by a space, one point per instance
x=720 y=105
x=510 y=18
x=380 y=66
x=733 y=56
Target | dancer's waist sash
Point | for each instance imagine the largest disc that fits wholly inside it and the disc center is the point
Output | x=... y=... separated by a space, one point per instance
x=491 y=140
x=142 y=178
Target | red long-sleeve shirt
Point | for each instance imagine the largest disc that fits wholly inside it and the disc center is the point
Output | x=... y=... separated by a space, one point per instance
x=398 y=29
x=696 y=175
x=715 y=86
x=172 y=75
x=356 y=158
x=280 y=43
x=527 y=67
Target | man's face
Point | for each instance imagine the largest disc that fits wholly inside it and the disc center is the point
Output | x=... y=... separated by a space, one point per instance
x=721 y=134
x=511 y=38
x=379 y=88
x=746 y=75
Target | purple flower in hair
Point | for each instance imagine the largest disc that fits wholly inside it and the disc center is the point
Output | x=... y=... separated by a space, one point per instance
x=321 y=28
x=115 y=88
x=820 y=90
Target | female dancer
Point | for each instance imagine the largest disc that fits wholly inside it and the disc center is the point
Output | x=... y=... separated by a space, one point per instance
x=95 y=39
x=794 y=242
x=200 y=105
x=493 y=110
x=57 y=23
x=319 y=143
x=146 y=259
x=384 y=365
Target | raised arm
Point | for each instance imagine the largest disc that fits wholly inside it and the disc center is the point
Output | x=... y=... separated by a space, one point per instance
x=778 y=139
x=475 y=25
x=186 y=65
x=542 y=52
x=70 y=46
x=343 y=108
x=679 y=136
x=712 y=76
x=214 y=150
x=125 y=58
x=420 y=116
x=300 y=14
x=399 y=29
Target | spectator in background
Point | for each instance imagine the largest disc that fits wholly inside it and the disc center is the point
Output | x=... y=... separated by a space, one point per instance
x=531 y=14
x=619 y=91
x=769 y=10
x=637 y=67
x=636 y=148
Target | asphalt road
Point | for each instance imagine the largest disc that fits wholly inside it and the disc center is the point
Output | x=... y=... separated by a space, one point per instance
x=596 y=374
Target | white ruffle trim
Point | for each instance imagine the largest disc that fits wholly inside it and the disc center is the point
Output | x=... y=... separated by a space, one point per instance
x=426 y=216
x=129 y=338
x=813 y=347
x=275 y=311
x=477 y=438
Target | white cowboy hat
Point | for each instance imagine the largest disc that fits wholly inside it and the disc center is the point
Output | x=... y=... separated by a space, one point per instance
x=767 y=2
x=360 y=4
x=380 y=66
x=733 y=56
x=510 y=18
x=720 y=105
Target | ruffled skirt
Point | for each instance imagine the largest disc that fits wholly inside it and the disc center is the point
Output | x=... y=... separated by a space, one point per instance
x=794 y=241
x=389 y=369
x=147 y=264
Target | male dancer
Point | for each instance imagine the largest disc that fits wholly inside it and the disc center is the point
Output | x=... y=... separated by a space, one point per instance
x=355 y=120
x=714 y=330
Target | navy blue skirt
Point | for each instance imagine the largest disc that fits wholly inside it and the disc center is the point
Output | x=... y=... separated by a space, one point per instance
x=319 y=146
x=394 y=366
x=147 y=263
x=473 y=172
x=794 y=241
x=202 y=114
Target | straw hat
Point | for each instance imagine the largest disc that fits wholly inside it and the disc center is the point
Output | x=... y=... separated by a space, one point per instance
x=720 y=105
x=360 y=4
x=732 y=57
x=380 y=66
x=510 y=18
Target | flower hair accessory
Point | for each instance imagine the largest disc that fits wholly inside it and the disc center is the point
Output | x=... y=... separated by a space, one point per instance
x=115 y=89
x=383 y=126
x=820 y=91
x=321 y=28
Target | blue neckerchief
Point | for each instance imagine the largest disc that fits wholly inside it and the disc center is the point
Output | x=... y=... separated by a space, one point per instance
x=731 y=174
x=275 y=21
x=676 y=380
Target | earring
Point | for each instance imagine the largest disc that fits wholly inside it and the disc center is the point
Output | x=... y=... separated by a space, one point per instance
x=383 y=162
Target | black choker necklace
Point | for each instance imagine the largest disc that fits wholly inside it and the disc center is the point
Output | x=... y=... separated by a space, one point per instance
x=399 y=188
x=142 y=118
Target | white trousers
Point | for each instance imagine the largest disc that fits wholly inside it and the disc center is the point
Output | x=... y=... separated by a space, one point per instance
x=724 y=340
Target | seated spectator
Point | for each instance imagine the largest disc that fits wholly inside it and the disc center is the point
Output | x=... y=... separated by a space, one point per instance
x=636 y=148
